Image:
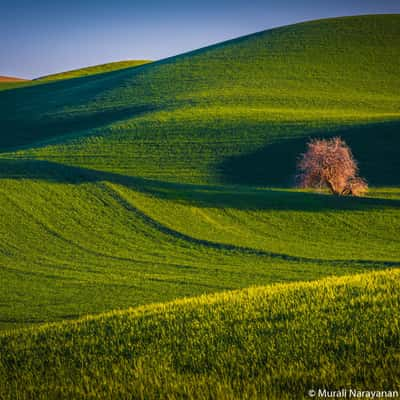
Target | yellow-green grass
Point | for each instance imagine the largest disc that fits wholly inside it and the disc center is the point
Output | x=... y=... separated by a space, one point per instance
x=93 y=70
x=169 y=180
x=13 y=85
x=90 y=220
x=7 y=82
x=76 y=73
x=74 y=241
x=275 y=342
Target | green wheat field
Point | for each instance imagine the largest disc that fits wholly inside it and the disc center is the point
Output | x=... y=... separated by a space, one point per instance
x=152 y=243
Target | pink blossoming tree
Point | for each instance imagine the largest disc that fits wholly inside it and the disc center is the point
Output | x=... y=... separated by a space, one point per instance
x=330 y=163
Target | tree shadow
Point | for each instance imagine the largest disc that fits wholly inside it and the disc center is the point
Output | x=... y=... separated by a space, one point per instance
x=207 y=196
x=375 y=147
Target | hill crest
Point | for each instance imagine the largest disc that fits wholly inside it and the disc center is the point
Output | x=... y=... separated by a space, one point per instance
x=236 y=104
x=12 y=79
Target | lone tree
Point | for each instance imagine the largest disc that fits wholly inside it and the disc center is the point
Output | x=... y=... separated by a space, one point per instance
x=330 y=163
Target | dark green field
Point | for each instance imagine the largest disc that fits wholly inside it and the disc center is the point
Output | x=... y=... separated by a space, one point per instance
x=172 y=179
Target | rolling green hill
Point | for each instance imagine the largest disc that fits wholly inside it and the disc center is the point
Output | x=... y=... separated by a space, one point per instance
x=140 y=185
x=13 y=85
x=76 y=73
x=237 y=112
x=74 y=242
x=7 y=82
x=94 y=70
x=275 y=342
x=151 y=183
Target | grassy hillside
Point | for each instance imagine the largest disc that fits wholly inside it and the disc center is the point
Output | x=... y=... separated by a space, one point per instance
x=12 y=83
x=146 y=225
x=7 y=82
x=154 y=182
x=74 y=242
x=237 y=112
x=274 y=342
x=96 y=69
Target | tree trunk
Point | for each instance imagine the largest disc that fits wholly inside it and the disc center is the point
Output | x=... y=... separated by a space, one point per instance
x=332 y=188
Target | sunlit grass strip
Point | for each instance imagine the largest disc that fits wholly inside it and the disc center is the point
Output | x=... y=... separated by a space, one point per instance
x=266 y=342
x=96 y=69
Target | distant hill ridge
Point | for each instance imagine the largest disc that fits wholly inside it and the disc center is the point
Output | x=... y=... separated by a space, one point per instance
x=95 y=69
x=13 y=83
x=11 y=79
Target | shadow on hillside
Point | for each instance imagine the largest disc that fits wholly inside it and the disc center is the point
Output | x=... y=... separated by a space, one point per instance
x=239 y=197
x=31 y=131
x=375 y=146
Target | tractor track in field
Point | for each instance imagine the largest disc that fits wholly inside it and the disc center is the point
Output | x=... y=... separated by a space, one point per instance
x=121 y=199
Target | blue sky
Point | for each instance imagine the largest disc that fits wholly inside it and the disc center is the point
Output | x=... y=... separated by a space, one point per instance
x=42 y=37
